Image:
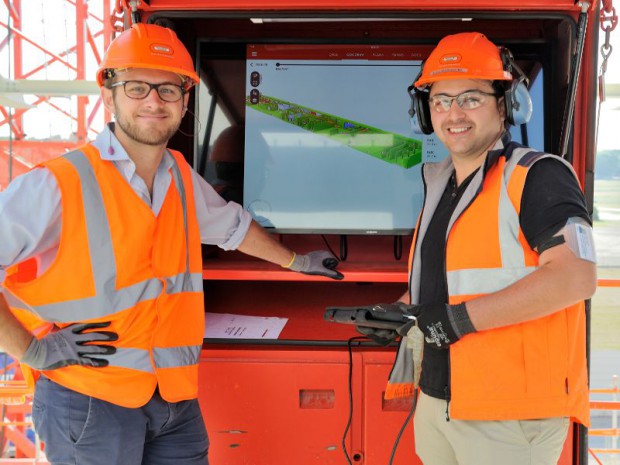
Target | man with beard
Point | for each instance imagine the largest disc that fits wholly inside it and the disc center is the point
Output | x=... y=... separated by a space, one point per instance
x=501 y=262
x=104 y=271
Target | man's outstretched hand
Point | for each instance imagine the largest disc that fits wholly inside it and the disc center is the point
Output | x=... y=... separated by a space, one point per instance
x=319 y=262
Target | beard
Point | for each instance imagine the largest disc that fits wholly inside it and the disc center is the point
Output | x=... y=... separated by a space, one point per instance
x=148 y=134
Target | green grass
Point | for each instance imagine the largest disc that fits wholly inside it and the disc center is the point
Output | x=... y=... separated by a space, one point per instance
x=607 y=193
x=606 y=302
x=605 y=321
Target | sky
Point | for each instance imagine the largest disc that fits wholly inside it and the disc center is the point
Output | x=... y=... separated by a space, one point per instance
x=52 y=23
x=610 y=108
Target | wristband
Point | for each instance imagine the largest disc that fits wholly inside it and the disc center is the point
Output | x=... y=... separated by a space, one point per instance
x=460 y=321
x=291 y=262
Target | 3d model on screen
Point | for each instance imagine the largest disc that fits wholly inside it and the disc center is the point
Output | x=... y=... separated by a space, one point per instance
x=386 y=146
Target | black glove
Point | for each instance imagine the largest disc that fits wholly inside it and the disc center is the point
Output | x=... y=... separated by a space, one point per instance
x=319 y=262
x=442 y=324
x=72 y=345
x=381 y=336
x=382 y=323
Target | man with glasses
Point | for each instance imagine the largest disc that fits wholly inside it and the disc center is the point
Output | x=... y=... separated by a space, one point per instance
x=104 y=271
x=502 y=261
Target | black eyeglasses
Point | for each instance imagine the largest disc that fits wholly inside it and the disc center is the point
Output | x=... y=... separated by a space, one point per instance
x=139 y=90
x=468 y=100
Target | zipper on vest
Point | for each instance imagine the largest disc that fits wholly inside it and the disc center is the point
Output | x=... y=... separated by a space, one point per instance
x=447 y=397
x=566 y=385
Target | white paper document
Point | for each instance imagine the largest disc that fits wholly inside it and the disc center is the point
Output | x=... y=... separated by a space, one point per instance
x=229 y=326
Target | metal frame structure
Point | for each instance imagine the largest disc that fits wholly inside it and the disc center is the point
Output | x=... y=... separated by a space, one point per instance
x=17 y=152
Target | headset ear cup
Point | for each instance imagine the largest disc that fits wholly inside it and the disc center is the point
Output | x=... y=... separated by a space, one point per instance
x=517 y=99
x=423 y=112
x=520 y=103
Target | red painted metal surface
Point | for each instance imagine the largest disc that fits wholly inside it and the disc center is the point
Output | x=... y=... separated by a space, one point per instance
x=352 y=5
x=252 y=401
x=355 y=272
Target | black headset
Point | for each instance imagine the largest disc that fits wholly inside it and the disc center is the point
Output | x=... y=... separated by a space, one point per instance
x=517 y=98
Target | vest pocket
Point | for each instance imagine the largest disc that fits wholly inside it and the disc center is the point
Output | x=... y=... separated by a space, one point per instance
x=545 y=354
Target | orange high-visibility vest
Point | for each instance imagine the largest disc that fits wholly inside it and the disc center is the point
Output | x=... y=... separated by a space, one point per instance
x=119 y=262
x=530 y=370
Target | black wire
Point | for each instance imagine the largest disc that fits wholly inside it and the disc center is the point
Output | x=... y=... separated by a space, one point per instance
x=350 y=419
x=344 y=248
x=328 y=246
x=398 y=247
x=402 y=429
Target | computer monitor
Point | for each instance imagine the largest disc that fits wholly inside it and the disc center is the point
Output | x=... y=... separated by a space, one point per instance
x=329 y=147
x=320 y=130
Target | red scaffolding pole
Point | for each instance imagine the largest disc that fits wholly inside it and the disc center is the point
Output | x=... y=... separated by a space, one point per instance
x=93 y=32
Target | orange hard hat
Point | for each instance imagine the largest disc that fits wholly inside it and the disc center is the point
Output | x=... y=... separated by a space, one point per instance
x=148 y=46
x=468 y=55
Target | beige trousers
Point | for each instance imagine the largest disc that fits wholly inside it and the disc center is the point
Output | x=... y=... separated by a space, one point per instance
x=464 y=442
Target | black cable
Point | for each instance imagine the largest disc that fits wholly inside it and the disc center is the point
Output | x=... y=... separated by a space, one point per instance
x=344 y=248
x=398 y=247
x=402 y=429
x=524 y=135
x=328 y=246
x=350 y=419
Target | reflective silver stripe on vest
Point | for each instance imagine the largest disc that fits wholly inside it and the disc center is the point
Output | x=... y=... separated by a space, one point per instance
x=484 y=280
x=184 y=282
x=102 y=305
x=135 y=359
x=178 y=181
x=511 y=250
x=172 y=357
x=15 y=301
x=513 y=268
x=107 y=300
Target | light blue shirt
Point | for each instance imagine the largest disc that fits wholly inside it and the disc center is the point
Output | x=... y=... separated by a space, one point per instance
x=31 y=211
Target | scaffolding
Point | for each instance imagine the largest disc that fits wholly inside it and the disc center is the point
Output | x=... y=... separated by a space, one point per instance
x=48 y=57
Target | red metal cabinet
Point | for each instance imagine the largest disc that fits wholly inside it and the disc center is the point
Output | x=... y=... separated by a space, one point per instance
x=266 y=406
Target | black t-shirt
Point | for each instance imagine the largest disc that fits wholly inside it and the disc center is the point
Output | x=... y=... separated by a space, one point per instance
x=551 y=196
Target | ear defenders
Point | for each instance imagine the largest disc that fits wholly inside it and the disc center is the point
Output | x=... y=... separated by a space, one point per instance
x=419 y=111
x=517 y=99
x=516 y=96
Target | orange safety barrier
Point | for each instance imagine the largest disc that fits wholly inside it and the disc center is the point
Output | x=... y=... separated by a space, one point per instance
x=13 y=392
x=614 y=431
x=15 y=407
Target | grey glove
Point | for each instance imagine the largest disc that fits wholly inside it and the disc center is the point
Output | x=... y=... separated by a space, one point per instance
x=70 y=346
x=319 y=262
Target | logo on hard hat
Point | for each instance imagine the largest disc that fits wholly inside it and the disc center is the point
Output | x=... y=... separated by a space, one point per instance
x=162 y=49
x=448 y=70
x=450 y=58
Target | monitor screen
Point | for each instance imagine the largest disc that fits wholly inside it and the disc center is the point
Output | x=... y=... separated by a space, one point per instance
x=329 y=146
